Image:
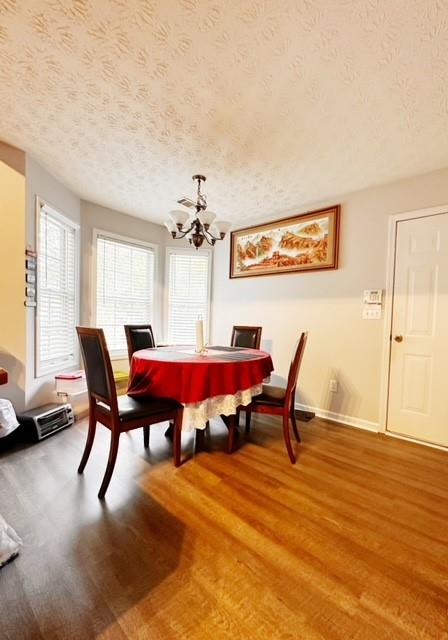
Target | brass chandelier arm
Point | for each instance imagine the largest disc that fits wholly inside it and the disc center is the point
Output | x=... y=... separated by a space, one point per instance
x=177 y=235
x=199 y=227
x=213 y=238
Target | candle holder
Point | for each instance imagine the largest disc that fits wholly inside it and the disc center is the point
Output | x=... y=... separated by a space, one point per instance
x=201 y=352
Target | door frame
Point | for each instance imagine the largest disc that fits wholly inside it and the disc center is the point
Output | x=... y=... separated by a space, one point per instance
x=388 y=308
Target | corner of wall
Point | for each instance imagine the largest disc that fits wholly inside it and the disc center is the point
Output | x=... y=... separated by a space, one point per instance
x=12 y=274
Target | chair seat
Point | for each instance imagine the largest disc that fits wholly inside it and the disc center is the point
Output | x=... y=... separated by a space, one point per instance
x=133 y=408
x=271 y=395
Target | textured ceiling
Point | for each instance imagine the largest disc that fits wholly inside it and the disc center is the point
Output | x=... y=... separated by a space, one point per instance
x=278 y=102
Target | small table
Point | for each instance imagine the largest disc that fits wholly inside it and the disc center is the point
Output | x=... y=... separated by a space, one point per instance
x=210 y=384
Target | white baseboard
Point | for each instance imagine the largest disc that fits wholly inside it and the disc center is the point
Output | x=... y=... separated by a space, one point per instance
x=339 y=417
x=415 y=441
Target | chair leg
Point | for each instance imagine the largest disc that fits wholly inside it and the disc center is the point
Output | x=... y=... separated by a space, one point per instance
x=287 y=438
x=294 y=424
x=177 y=438
x=231 y=425
x=248 y=417
x=146 y=437
x=89 y=442
x=114 y=441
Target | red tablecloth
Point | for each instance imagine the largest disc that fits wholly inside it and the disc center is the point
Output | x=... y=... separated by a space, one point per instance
x=172 y=372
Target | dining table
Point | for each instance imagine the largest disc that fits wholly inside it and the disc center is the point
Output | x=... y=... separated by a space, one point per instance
x=212 y=383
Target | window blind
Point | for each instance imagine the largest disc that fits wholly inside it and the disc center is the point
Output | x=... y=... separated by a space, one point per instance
x=56 y=293
x=188 y=295
x=125 y=288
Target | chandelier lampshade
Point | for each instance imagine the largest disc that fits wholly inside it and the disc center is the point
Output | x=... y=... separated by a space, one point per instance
x=222 y=227
x=179 y=218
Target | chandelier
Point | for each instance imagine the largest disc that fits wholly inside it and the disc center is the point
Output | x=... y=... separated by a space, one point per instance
x=199 y=226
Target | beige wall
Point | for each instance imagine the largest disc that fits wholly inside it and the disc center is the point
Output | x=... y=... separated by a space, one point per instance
x=12 y=274
x=328 y=304
x=13 y=157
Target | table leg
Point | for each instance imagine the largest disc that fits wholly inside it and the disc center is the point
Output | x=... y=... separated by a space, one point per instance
x=231 y=425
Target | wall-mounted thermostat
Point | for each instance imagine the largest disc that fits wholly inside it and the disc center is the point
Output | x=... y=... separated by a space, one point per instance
x=373 y=296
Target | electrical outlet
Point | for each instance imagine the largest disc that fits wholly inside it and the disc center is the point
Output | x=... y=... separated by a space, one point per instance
x=333 y=386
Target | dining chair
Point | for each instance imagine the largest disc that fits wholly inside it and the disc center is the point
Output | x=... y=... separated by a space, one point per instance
x=139 y=336
x=248 y=337
x=118 y=413
x=280 y=401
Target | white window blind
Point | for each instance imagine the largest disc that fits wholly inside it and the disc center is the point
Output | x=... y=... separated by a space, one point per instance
x=56 y=292
x=125 y=288
x=188 y=294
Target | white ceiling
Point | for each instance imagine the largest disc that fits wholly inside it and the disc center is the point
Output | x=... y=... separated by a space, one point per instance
x=279 y=102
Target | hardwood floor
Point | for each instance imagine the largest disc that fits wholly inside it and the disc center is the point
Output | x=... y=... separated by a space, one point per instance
x=350 y=543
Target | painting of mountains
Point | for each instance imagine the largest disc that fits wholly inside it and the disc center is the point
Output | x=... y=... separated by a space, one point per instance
x=302 y=243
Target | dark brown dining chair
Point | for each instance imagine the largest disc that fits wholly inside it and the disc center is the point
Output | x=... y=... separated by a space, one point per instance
x=279 y=401
x=139 y=336
x=118 y=413
x=248 y=337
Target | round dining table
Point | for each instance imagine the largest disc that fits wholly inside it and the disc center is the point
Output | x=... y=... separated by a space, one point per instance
x=209 y=384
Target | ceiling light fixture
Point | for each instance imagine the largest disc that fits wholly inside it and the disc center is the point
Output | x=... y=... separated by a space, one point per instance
x=200 y=227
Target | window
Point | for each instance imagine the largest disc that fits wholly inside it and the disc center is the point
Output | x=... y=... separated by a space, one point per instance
x=57 y=291
x=188 y=297
x=124 y=287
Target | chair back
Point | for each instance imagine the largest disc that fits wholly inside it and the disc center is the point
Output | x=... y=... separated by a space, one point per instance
x=295 y=368
x=248 y=337
x=139 y=336
x=98 y=367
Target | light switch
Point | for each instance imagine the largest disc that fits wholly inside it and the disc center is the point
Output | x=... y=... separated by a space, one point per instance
x=370 y=312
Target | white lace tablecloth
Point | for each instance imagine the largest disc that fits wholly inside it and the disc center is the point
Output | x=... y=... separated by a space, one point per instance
x=196 y=414
x=9 y=542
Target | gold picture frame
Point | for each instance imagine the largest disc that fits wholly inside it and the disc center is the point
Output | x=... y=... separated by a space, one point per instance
x=306 y=242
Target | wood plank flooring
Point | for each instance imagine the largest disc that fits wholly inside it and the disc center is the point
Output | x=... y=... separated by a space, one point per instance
x=350 y=543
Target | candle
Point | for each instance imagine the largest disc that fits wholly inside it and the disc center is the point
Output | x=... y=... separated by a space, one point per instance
x=199 y=336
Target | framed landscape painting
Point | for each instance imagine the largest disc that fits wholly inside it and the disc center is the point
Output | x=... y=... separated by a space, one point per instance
x=306 y=242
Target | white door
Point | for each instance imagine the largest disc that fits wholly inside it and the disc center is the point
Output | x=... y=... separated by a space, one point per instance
x=418 y=391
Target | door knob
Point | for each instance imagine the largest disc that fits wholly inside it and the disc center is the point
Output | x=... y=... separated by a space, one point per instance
x=398 y=338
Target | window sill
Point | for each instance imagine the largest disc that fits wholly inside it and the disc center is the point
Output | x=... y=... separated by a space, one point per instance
x=56 y=369
x=119 y=356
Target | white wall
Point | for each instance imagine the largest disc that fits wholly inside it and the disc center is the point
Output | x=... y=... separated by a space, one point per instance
x=40 y=183
x=329 y=303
